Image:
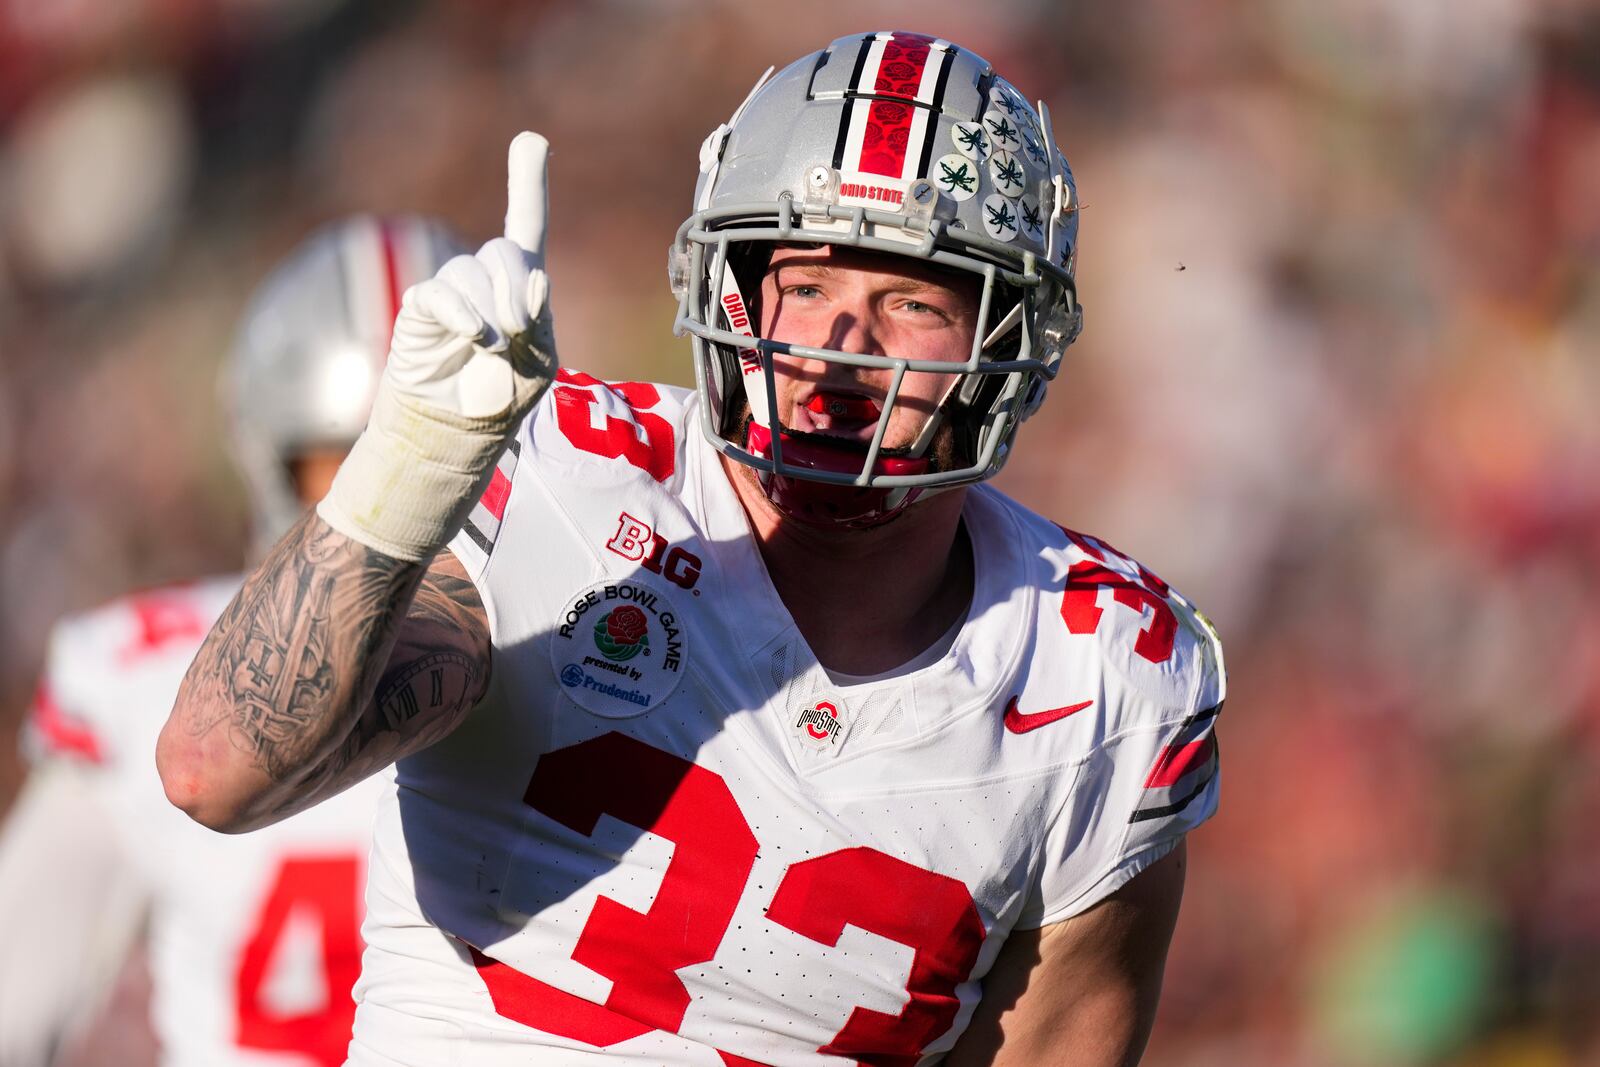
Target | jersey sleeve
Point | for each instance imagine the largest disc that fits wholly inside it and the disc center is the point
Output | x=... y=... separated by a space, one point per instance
x=71 y=905
x=62 y=721
x=110 y=675
x=1152 y=779
x=475 y=541
x=584 y=434
x=53 y=731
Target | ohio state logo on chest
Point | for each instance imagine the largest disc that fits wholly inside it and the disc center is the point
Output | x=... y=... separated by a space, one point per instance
x=822 y=722
x=636 y=541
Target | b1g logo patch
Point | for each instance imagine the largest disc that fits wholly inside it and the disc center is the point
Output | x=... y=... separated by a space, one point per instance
x=619 y=648
x=821 y=723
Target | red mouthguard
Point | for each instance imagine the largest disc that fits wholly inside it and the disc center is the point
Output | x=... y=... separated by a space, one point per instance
x=844 y=406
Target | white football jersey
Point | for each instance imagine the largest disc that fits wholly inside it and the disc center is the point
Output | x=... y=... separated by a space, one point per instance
x=254 y=939
x=667 y=837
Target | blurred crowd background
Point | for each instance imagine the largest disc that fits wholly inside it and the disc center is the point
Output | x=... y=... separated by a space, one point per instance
x=1341 y=271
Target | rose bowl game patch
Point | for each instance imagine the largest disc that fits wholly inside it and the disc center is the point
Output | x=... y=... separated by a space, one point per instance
x=619 y=648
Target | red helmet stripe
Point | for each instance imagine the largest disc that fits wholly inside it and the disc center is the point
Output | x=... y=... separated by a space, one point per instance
x=889 y=136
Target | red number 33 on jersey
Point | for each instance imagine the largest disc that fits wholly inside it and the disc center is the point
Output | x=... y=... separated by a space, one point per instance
x=715 y=850
x=611 y=420
x=1081 y=610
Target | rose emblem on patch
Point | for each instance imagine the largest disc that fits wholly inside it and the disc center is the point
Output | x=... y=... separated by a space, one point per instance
x=622 y=633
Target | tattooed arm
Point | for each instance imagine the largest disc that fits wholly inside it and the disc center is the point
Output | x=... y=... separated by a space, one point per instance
x=332 y=662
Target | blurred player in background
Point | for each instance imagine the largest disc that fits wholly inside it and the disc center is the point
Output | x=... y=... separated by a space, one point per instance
x=739 y=725
x=253 y=941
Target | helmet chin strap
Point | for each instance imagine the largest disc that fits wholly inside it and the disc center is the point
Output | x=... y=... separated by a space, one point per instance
x=825 y=503
x=736 y=313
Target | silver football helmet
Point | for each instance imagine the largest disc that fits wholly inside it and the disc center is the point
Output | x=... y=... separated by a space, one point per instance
x=890 y=142
x=309 y=350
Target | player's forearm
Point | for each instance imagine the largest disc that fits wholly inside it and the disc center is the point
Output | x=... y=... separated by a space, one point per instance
x=1082 y=992
x=284 y=676
x=1105 y=1028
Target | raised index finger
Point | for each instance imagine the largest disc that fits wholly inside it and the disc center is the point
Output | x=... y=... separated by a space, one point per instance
x=526 y=205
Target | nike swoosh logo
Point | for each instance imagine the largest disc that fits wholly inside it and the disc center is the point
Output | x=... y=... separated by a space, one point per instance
x=1020 y=723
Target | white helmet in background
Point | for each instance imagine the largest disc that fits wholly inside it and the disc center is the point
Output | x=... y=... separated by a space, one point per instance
x=897 y=143
x=306 y=360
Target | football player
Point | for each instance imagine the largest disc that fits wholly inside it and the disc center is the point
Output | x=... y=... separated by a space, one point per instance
x=740 y=725
x=253 y=941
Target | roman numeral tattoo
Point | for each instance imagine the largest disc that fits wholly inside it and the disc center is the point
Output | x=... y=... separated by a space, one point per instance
x=296 y=671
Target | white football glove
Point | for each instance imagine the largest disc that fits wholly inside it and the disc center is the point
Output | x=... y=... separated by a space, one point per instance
x=473 y=350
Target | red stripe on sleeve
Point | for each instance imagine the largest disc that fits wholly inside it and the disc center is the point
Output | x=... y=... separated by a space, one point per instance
x=1177 y=761
x=494 y=497
x=391 y=276
x=63 y=734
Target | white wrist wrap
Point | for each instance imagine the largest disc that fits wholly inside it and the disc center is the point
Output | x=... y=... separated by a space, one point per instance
x=413 y=476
